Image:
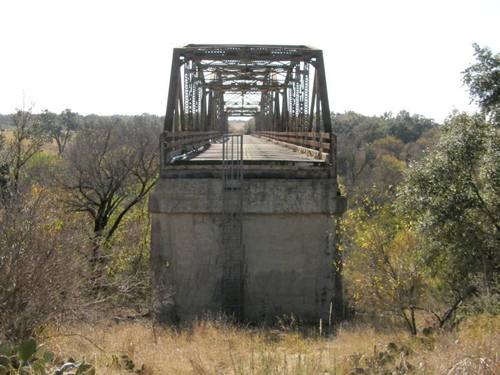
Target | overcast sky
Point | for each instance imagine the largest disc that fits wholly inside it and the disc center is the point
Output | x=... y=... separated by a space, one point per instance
x=113 y=57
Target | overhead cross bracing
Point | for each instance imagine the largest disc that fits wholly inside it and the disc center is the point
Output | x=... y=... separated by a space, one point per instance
x=283 y=87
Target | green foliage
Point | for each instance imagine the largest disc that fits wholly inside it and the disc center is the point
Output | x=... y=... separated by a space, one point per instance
x=483 y=79
x=408 y=128
x=60 y=128
x=366 y=129
x=27 y=349
x=5 y=121
x=384 y=263
x=128 y=269
x=454 y=194
x=28 y=358
x=26 y=141
x=373 y=151
x=392 y=360
x=126 y=364
x=40 y=169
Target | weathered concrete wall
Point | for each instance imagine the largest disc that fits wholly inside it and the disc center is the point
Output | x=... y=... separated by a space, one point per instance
x=288 y=239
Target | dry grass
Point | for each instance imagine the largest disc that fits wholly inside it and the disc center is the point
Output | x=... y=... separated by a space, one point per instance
x=218 y=348
x=49 y=147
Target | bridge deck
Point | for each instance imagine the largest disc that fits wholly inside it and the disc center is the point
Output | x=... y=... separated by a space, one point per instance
x=256 y=149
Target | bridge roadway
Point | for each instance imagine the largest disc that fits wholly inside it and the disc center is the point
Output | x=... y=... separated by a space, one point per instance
x=255 y=149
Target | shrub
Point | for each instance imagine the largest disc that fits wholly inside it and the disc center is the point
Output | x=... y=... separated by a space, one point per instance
x=30 y=358
x=39 y=264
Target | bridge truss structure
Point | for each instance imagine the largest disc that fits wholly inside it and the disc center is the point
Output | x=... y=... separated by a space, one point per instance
x=283 y=87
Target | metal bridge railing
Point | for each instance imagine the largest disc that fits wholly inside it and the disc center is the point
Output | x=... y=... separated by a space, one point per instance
x=317 y=141
x=179 y=143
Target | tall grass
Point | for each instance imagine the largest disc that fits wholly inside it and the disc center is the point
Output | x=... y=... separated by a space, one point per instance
x=213 y=347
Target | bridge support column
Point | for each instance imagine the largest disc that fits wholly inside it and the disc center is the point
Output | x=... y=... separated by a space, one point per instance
x=288 y=234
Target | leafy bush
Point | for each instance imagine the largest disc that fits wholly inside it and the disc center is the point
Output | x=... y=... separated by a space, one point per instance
x=453 y=194
x=30 y=358
x=384 y=268
x=392 y=360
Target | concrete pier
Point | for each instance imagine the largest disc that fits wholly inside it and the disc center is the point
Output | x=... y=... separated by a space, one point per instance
x=288 y=243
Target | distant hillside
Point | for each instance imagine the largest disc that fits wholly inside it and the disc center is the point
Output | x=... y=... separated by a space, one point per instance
x=5 y=121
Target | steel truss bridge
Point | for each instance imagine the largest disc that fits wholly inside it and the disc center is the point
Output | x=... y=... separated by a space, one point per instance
x=283 y=87
x=243 y=223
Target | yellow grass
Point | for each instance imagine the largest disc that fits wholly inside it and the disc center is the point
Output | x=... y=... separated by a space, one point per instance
x=50 y=147
x=216 y=348
x=7 y=135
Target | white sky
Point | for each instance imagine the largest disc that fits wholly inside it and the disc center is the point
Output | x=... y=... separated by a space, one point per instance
x=113 y=57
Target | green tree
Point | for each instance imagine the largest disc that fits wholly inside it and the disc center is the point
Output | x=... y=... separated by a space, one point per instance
x=60 y=128
x=454 y=194
x=409 y=128
x=372 y=151
x=483 y=79
x=26 y=141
